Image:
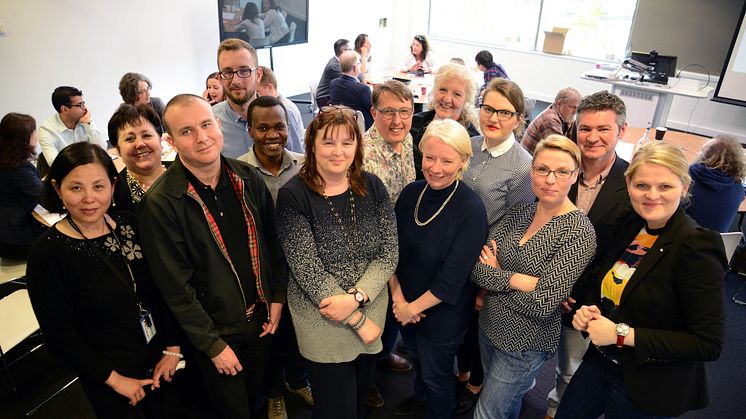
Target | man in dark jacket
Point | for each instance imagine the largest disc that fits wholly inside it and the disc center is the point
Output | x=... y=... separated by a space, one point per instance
x=209 y=235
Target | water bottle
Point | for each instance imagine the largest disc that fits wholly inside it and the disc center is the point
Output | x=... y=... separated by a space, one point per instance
x=643 y=140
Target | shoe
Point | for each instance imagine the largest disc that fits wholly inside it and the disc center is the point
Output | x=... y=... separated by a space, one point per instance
x=374 y=397
x=396 y=363
x=466 y=402
x=409 y=407
x=276 y=408
x=304 y=393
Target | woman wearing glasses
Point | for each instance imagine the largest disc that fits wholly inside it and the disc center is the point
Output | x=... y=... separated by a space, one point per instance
x=135 y=88
x=535 y=254
x=655 y=314
x=420 y=58
x=136 y=133
x=452 y=97
x=500 y=173
x=442 y=225
x=337 y=227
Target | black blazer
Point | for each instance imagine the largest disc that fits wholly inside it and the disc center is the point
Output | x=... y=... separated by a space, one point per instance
x=674 y=301
x=611 y=203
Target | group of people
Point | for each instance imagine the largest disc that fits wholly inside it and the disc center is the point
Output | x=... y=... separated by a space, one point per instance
x=270 y=269
x=270 y=23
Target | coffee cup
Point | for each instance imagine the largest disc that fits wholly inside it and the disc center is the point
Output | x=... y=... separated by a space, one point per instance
x=660 y=132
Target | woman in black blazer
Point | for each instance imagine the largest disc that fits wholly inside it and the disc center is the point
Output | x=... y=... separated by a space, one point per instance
x=655 y=310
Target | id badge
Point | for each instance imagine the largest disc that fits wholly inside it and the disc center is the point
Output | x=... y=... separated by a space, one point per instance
x=148 y=327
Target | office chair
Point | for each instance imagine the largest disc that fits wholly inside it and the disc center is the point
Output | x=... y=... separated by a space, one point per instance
x=13 y=271
x=731 y=241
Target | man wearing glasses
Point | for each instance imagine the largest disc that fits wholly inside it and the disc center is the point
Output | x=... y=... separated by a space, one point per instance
x=388 y=155
x=71 y=124
x=239 y=72
x=556 y=119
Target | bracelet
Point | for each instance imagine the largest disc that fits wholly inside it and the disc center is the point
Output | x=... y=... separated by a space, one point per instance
x=347 y=320
x=176 y=354
x=359 y=324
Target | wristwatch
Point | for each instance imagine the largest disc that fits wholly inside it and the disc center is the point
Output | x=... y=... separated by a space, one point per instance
x=359 y=296
x=622 y=330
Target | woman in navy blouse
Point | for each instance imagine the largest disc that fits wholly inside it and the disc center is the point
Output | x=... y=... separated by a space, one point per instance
x=442 y=224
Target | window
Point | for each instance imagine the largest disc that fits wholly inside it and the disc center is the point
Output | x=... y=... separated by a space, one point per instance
x=599 y=29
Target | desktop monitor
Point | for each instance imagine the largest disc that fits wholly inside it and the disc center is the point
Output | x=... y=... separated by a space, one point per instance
x=665 y=64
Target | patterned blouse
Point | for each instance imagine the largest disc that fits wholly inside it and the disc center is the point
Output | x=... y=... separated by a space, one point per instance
x=557 y=254
x=396 y=170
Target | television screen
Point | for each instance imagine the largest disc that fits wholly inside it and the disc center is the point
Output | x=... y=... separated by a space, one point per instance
x=264 y=23
x=665 y=64
x=732 y=84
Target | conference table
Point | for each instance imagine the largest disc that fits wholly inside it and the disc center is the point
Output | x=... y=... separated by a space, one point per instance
x=419 y=85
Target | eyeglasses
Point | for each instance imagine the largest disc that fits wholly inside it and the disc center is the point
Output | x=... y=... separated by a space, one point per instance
x=388 y=113
x=80 y=105
x=141 y=91
x=344 y=110
x=242 y=73
x=558 y=173
x=502 y=114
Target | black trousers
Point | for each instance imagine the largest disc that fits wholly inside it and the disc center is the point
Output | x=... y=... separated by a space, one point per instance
x=234 y=396
x=161 y=403
x=340 y=390
x=285 y=357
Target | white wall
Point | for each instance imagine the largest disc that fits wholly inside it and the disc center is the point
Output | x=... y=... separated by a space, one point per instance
x=91 y=44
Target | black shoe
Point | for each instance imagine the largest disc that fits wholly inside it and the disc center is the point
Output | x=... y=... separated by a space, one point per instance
x=396 y=363
x=409 y=407
x=374 y=397
x=466 y=402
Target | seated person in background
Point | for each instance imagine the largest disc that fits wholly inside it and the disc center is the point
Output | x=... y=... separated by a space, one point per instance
x=331 y=72
x=94 y=296
x=136 y=133
x=20 y=186
x=274 y=22
x=135 y=88
x=268 y=127
x=716 y=190
x=420 y=58
x=348 y=90
x=556 y=119
x=71 y=124
x=362 y=47
x=251 y=24
x=452 y=97
x=213 y=89
x=296 y=131
x=489 y=67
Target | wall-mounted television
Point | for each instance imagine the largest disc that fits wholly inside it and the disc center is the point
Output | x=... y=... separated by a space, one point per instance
x=264 y=23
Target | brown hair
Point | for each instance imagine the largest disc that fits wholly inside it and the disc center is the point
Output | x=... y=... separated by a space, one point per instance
x=128 y=86
x=392 y=87
x=15 y=133
x=725 y=153
x=511 y=91
x=329 y=119
x=234 y=44
x=268 y=77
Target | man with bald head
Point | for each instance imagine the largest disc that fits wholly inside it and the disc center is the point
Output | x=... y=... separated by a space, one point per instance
x=208 y=229
x=348 y=90
x=556 y=119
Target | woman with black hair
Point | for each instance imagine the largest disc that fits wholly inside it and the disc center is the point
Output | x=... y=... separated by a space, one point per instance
x=20 y=186
x=93 y=295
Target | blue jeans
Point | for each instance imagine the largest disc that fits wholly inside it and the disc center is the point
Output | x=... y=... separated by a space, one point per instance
x=433 y=363
x=508 y=376
x=597 y=388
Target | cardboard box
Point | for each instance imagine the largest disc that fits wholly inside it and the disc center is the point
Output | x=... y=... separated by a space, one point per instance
x=554 y=40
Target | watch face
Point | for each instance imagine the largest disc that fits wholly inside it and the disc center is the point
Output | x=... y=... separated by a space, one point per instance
x=622 y=329
x=359 y=297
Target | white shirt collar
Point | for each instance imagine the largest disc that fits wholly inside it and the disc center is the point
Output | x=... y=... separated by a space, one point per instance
x=501 y=148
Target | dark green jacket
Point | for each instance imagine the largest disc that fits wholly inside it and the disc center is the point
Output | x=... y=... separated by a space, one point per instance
x=195 y=277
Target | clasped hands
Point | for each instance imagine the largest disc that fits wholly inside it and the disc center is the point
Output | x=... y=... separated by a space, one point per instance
x=343 y=307
x=601 y=330
x=404 y=312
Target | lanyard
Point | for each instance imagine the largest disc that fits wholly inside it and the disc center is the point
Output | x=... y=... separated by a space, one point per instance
x=132 y=285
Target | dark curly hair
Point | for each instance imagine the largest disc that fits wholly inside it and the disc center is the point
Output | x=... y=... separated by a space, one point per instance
x=725 y=153
x=15 y=136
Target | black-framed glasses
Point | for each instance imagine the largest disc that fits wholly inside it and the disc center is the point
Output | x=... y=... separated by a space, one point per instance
x=242 y=73
x=80 y=105
x=344 y=110
x=544 y=171
x=502 y=114
x=388 y=113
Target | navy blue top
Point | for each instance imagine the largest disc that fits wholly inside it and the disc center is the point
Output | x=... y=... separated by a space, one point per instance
x=349 y=91
x=715 y=197
x=20 y=191
x=439 y=256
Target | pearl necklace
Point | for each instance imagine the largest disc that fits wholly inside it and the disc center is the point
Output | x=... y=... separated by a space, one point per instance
x=417 y=207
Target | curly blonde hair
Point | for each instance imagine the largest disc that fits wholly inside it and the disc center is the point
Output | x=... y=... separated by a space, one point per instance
x=725 y=153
